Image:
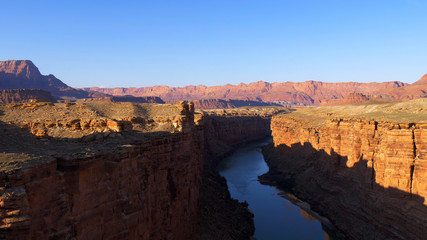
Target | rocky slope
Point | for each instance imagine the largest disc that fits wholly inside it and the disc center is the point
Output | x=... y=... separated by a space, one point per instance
x=23 y=74
x=365 y=170
x=25 y=95
x=309 y=92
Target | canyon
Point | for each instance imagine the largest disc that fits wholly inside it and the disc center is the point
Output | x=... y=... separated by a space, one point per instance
x=91 y=170
x=363 y=167
x=139 y=163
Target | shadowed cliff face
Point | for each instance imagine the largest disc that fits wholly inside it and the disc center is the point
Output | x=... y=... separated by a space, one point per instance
x=141 y=185
x=121 y=171
x=369 y=178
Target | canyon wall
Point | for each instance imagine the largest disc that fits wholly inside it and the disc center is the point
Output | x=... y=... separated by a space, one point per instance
x=146 y=189
x=368 y=177
x=222 y=133
x=222 y=217
x=224 y=129
x=92 y=170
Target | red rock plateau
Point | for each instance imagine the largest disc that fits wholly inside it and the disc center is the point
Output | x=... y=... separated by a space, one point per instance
x=25 y=95
x=92 y=170
x=307 y=93
x=364 y=167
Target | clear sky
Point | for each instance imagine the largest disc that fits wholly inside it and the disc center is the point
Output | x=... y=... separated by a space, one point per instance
x=179 y=42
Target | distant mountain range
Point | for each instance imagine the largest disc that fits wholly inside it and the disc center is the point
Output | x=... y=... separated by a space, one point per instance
x=287 y=93
x=23 y=74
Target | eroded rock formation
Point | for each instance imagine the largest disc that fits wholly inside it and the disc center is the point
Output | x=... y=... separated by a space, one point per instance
x=142 y=186
x=368 y=177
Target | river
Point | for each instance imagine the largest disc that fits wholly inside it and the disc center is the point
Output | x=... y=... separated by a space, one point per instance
x=275 y=216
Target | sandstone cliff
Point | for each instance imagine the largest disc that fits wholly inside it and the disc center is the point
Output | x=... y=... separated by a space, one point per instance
x=367 y=176
x=137 y=185
x=92 y=170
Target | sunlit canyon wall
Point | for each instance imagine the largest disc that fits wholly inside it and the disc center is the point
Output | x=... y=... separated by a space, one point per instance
x=369 y=178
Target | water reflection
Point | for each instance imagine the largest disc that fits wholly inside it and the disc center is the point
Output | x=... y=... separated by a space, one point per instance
x=307 y=216
x=275 y=217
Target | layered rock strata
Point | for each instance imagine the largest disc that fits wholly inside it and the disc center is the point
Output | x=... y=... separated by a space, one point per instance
x=368 y=177
x=140 y=189
x=121 y=170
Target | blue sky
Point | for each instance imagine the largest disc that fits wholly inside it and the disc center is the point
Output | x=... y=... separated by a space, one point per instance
x=177 y=43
